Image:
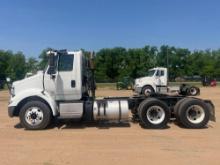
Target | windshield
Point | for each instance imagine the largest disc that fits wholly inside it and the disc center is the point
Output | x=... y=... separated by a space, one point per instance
x=150 y=73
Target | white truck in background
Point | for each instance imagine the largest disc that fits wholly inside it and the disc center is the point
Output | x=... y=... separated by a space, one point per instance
x=156 y=81
x=66 y=90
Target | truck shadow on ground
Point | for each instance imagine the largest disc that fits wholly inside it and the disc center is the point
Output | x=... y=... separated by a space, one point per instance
x=77 y=125
x=183 y=127
x=69 y=124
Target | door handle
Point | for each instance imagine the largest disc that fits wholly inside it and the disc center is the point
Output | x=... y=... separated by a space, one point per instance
x=73 y=83
x=53 y=76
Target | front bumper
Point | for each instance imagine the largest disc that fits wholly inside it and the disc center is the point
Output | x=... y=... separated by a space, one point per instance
x=11 y=111
x=137 y=89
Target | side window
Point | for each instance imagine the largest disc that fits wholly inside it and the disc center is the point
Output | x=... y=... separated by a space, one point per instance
x=162 y=73
x=158 y=73
x=65 y=63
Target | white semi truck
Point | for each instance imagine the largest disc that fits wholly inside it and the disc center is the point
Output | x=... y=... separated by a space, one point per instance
x=156 y=80
x=66 y=89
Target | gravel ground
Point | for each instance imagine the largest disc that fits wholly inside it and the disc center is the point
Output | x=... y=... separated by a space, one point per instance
x=80 y=144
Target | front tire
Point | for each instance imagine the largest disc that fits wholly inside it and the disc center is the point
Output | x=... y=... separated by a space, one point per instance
x=153 y=113
x=35 y=115
x=147 y=90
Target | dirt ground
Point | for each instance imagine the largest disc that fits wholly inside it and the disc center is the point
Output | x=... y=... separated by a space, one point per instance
x=69 y=143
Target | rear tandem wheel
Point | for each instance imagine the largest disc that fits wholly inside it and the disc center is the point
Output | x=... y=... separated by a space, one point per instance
x=153 y=113
x=192 y=113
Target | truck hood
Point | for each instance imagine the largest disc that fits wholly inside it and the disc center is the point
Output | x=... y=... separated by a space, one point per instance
x=143 y=80
x=35 y=81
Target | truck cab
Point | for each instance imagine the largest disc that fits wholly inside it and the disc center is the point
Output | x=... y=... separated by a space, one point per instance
x=63 y=83
x=65 y=80
x=154 y=81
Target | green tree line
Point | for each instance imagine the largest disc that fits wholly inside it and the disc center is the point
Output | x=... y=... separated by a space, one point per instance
x=16 y=65
x=112 y=64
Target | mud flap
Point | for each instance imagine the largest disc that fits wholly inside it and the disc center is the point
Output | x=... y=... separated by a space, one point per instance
x=211 y=110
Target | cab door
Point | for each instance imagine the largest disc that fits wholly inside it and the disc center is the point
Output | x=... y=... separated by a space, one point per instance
x=65 y=82
x=163 y=78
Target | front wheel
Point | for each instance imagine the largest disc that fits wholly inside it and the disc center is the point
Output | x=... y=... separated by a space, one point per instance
x=35 y=115
x=147 y=90
x=153 y=113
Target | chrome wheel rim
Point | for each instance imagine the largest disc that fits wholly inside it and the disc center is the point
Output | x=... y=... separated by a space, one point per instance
x=193 y=91
x=195 y=114
x=147 y=92
x=155 y=114
x=34 y=116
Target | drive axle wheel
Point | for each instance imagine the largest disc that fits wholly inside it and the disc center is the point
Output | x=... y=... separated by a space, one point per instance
x=193 y=113
x=153 y=113
x=35 y=115
x=177 y=106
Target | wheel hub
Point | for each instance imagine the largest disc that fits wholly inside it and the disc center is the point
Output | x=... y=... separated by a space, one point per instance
x=193 y=91
x=195 y=114
x=34 y=116
x=147 y=92
x=155 y=114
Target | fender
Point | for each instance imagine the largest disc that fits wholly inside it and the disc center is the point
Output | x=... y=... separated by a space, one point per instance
x=151 y=85
x=34 y=92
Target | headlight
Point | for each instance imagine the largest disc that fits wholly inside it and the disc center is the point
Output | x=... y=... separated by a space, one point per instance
x=12 y=91
x=137 y=81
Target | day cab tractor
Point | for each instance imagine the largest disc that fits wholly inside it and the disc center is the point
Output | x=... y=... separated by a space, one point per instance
x=156 y=81
x=66 y=90
x=209 y=81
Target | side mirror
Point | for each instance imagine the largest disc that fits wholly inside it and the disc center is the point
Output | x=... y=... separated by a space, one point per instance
x=52 y=64
x=158 y=73
x=8 y=79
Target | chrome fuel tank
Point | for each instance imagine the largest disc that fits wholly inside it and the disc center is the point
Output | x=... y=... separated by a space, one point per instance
x=110 y=110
